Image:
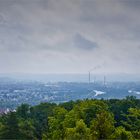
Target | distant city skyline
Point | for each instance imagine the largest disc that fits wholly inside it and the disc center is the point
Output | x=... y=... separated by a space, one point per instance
x=70 y=36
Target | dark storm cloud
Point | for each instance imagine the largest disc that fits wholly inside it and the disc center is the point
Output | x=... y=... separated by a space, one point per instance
x=83 y=43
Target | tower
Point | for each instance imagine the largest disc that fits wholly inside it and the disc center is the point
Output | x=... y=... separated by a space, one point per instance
x=89 y=77
x=104 y=81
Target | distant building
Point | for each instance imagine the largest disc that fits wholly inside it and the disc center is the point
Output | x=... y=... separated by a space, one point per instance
x=4 y=111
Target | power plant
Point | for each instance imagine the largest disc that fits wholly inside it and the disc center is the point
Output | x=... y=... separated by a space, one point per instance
x=89 y=75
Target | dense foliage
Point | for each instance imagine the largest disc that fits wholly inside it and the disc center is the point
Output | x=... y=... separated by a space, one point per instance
x=79 y=120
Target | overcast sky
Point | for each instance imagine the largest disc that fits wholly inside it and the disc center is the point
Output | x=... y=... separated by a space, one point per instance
x=70 y=36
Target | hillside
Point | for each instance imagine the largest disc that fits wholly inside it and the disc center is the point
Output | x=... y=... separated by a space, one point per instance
x=88 y=119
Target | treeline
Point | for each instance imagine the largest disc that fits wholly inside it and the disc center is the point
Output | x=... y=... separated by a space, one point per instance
x=75 y=120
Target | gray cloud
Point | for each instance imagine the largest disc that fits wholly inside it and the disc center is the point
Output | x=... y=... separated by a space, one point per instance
x=41 y=35
x=83 y=43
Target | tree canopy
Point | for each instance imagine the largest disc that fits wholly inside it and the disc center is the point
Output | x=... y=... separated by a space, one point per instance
x=81 y=120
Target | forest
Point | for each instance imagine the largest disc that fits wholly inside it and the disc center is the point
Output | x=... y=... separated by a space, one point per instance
x=88 y=119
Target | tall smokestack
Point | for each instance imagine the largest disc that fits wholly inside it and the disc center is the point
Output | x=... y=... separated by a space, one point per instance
x=104 y=80
x=89 y=77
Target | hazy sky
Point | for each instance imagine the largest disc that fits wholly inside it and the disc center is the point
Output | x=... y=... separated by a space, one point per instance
x=69 y=36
